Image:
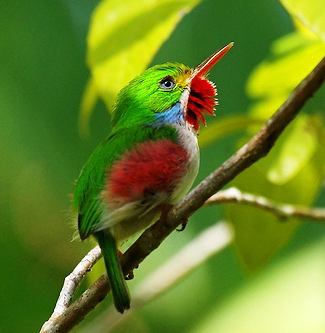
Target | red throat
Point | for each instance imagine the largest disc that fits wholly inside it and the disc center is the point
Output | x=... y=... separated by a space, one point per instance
x=201 y=101
x=202 y=95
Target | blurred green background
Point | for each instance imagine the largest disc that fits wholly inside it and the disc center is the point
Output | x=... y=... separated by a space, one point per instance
x=43 y=77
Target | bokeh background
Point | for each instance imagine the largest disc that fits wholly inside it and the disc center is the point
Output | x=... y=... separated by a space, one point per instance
x=43 y=77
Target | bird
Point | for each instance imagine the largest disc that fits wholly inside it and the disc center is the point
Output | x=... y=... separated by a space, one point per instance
x=147 y=163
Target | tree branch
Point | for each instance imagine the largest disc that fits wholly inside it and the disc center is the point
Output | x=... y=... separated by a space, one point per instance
x=205 y=245
x=209 y=242
x=71 y=282
x=283 y=211
x=252 y=151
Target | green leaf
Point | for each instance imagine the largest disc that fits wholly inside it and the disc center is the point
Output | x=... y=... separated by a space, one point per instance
x=298 y=147
x=125 y=35
x=293 y=57
x=259 y=235
x=292 y=171
x=226 y=126
x=310 y=13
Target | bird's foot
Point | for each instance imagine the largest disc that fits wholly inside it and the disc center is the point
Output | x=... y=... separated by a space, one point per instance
x=183 y=225
x=129 y=276
x=164 y=211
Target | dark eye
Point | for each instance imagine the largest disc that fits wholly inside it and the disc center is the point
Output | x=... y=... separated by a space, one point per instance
x=167 y=83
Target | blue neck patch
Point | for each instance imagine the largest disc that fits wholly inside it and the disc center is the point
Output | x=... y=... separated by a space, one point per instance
x=174 y=115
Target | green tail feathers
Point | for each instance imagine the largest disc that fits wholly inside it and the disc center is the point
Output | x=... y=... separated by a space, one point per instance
x=116 y=279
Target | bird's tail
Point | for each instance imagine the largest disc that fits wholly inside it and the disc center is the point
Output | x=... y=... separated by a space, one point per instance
x=115 y=276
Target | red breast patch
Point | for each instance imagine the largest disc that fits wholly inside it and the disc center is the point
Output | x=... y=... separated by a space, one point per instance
x=153 y=166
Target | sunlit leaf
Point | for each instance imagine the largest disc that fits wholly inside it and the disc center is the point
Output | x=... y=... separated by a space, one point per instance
x=272 y=81
x=226 y=126
x=303 y=30
x=292 y=171
x=311 y=13
x=125 y=35
x=259 y=234
x=295 y=152
x=265 y=108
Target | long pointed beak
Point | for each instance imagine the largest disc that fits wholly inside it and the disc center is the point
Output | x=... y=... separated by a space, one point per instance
x=207 y=64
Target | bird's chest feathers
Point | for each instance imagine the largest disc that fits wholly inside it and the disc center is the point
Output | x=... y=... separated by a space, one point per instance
x=152 y=167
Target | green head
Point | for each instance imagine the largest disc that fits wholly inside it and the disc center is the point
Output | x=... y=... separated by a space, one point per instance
x=147 y=97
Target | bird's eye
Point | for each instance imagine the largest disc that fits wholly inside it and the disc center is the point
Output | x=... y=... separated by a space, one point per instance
x=167 y=83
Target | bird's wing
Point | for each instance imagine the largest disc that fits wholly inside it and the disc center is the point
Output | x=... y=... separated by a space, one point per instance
x=91 y=182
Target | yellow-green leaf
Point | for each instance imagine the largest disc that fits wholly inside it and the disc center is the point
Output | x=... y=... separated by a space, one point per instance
x=292 y=171
x=311 y=13
x=259 y=234
x=226 y=126
x=295 y=152
x=125 y=35
x=293 y=57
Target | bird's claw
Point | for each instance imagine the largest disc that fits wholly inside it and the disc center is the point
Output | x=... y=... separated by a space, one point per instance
x=129 y=276
x=183 y=226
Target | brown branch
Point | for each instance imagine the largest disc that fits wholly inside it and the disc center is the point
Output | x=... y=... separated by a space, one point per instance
x=283 y=211
x=208 y=243
x=71 y=282
x=201 y=248
x=251 y=152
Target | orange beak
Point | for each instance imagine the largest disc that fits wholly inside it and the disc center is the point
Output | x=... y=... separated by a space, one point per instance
x=201 y=99
x=207 y=64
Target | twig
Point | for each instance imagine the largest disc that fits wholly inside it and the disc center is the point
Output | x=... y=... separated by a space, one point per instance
x=255 y=149
x=208 y=243
x=283 y=211
x=70 y=285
